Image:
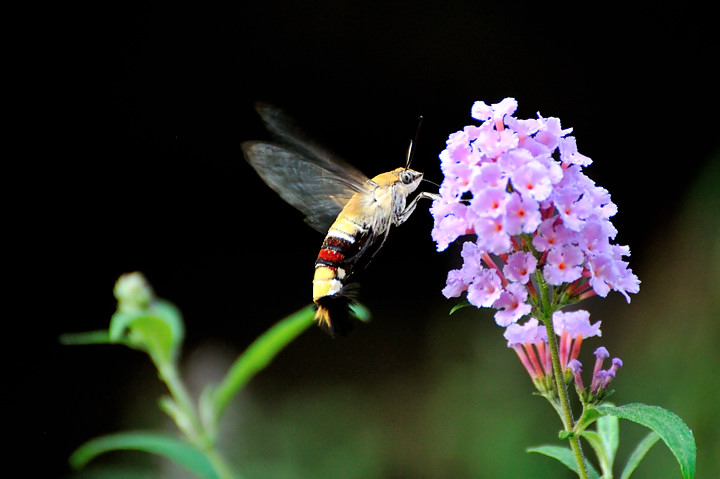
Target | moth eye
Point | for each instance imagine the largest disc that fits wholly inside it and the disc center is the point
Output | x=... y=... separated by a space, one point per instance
x=406 y=177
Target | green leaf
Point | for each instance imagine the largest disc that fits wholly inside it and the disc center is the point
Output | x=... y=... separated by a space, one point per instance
x=157 y=330
x=565 y=456
x=87 y=337
x=608 y=427
x=119 y=471
x=169 y=314
x=257 y=356
x=360 y=312
x=460 y=305
x=589 y=416
x=639 y=453
x=169 y=447
x=671 y=429
x=604 y=442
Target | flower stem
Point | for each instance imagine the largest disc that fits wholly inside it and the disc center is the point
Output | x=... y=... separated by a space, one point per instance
x=219 y=465
x=566 y=416
x=545 y=313
x=188 y=420
x=191 y=422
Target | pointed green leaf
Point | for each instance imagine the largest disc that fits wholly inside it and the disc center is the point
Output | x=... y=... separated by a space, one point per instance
x=604 y=442
x=460 y=305
x=169 y=447
x=593 y=438
x=259 y=354
x=609 y=429
x=565 y=456
x=639 y=453
x=671 y=429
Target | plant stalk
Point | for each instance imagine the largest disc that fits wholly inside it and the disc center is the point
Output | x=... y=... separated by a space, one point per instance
x=566 y=416
x=169 y=375
x=566 y=412
x=219 y=466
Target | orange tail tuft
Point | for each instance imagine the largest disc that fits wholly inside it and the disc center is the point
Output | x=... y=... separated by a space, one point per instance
x=333 y=315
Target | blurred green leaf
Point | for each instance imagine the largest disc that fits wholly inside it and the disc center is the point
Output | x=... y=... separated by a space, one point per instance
x=256 y=357
x=167 y=311
x=360 y=312
x=673 y=431
x=639 y=453
x=169 y=447
x=157 y=329
x=87 y=337
x=565 y=456
x=124 y=471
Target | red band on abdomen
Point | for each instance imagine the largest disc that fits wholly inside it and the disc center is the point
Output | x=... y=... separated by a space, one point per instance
x=330 y=255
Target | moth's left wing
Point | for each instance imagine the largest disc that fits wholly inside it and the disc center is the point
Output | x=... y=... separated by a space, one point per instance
x=319 y=189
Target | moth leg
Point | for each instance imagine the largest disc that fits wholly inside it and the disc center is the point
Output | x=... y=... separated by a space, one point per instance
x=402 y=217
x=387 y=232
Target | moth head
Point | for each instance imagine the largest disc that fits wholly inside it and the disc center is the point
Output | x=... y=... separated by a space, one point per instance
x=409 y=178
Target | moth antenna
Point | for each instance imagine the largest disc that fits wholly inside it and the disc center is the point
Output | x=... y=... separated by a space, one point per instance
x=411 y=150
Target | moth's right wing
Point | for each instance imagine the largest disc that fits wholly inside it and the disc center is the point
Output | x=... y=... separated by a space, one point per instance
x=318 y=189
x=288 y=132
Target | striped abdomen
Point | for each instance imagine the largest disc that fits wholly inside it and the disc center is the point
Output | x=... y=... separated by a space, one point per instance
x=333 y=267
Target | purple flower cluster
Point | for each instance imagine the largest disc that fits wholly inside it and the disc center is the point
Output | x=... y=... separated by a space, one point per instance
x=530 y=342
x=518 y=186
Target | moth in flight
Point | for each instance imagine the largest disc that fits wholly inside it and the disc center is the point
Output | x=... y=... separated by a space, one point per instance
x=354 y=213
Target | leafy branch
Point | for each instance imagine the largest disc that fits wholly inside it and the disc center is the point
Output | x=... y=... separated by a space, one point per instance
x=155 y=326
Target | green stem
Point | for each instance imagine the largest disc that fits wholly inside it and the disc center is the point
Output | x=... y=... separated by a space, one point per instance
x=567 y=417
x=189 y=421
x=565 y=411
x=255 y=358
x=545 y=308
x=219 y=466
x=181 y=397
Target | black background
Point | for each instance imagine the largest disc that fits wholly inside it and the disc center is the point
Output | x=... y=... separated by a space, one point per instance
x=135 y=164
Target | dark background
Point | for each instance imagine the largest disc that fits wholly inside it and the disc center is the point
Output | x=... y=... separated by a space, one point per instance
x=139 y=129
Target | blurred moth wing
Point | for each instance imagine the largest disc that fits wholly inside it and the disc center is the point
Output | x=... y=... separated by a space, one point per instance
x=304 y=182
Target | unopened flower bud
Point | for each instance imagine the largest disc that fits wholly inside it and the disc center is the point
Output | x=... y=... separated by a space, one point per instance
x=133 y=292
